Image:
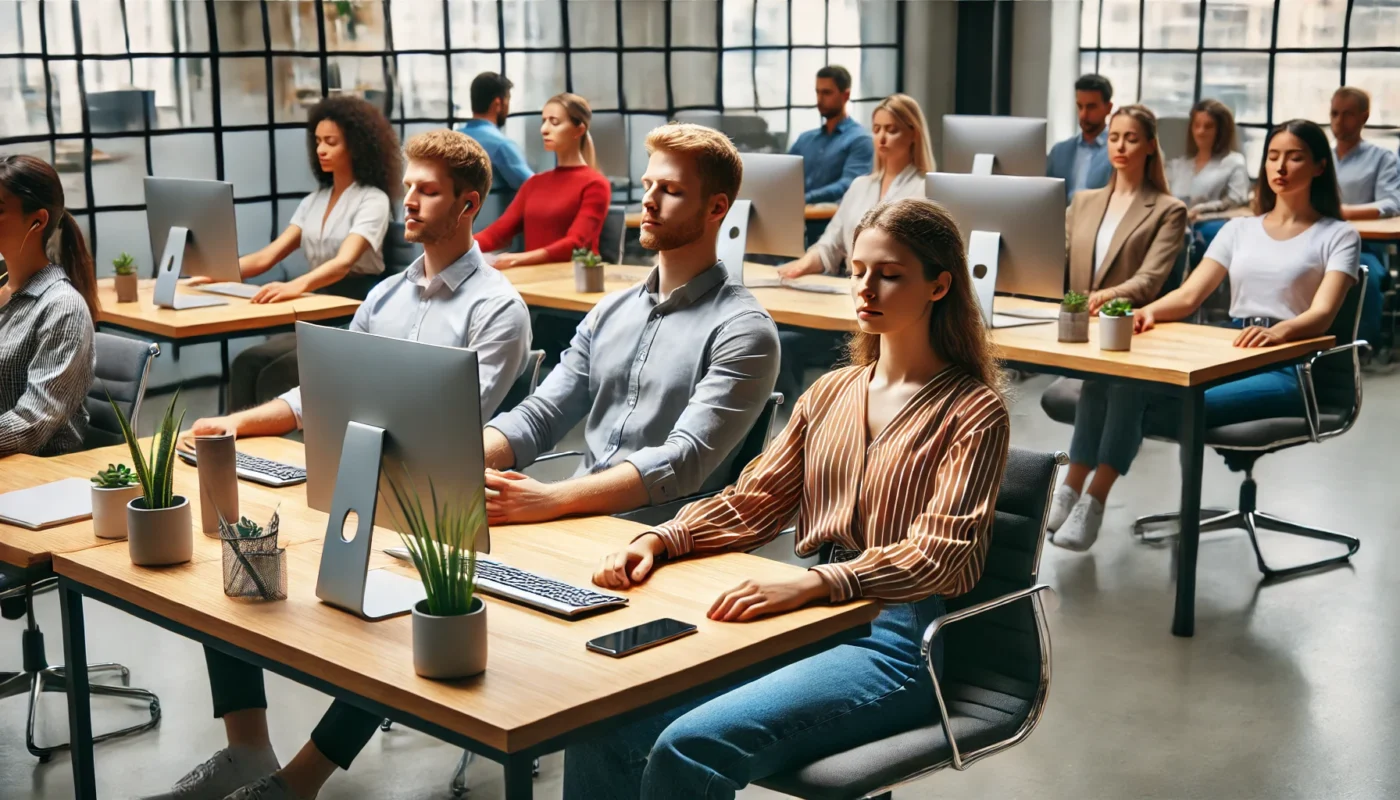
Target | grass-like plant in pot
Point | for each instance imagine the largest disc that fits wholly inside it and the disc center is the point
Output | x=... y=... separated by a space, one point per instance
x=158 y=521
x=1116 y=325
x=125 y=267
x=112 y=489
x=588 y=271
x=1074 y=318
x=449 y=627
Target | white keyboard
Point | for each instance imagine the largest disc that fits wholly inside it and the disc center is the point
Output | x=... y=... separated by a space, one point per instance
x=527 y=588
x=244 y=290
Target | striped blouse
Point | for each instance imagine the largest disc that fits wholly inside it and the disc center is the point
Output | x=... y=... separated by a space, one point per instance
x=917 y=506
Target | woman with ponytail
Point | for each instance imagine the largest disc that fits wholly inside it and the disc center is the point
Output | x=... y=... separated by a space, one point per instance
x=560 y=209
x=47 y=311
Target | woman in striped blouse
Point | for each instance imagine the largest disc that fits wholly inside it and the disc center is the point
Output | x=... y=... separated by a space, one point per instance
x=894 y=463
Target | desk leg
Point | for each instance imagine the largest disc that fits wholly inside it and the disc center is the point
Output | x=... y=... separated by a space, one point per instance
x=223 y=375
x=520 y=778
x=79 y=700
x=1191 y=437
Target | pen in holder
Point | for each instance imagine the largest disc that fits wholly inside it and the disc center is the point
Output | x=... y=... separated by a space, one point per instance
x=254 y=566
x=218 y=480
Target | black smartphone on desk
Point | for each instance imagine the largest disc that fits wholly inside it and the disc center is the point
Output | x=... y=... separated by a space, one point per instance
x=648 y=634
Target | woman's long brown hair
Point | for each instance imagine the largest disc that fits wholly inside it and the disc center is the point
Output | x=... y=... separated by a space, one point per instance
x=955 y=322
x=37 y=186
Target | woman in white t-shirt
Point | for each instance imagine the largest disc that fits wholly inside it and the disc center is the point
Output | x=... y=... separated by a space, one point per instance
x=339 y=228
x=1289 y=269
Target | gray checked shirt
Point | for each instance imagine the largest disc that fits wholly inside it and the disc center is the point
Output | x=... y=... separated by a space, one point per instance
x=671 y=386
x=469 y=305
x=46 y=366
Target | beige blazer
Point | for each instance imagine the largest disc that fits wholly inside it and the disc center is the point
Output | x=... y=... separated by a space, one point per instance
x=1143 y=250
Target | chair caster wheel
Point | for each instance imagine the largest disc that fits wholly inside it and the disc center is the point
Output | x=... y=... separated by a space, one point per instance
x=385 y=726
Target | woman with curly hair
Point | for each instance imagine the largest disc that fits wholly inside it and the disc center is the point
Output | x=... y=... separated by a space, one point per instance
x=340 y=228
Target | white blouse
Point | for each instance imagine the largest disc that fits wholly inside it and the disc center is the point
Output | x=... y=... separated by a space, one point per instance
x=834 y=248
x=1222 y=184
x=361 y=209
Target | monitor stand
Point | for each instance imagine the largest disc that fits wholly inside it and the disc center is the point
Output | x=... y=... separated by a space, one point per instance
x=983 y=256
x=733 y=240
x=982 y=163
x=345 y=580
x=168 y=274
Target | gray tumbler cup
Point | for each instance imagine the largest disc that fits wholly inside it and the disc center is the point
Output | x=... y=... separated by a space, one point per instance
x=218 y=482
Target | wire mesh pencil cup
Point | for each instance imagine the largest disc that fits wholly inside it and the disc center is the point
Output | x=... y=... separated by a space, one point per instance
x=254 y=566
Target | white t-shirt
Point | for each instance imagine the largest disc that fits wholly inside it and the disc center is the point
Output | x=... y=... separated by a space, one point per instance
x=1274 y=279
x=361 y=209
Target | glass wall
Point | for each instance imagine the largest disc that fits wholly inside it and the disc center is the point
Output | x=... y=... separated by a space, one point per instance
x=113 y=91
x=1269 y=61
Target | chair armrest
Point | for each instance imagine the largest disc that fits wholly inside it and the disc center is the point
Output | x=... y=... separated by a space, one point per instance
x=1310 y=405
x=926 y=650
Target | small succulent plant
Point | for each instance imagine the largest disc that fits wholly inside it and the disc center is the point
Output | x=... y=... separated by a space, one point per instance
x=124 y=264
x=247 y=529
x=587 y=258
x=1118 y=307
x=1074 y=302
x=115 y=476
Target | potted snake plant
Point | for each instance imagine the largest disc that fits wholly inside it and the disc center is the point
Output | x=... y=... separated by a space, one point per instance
x=588 y=272
x=1074 y=317
x=112 y=489
x=1116 y=325
x=449 y=626
x=158 y=521
x=125 y=267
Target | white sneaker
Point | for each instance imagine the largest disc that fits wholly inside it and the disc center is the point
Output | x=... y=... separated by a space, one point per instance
x=267 y=788
x=1082 y=528
x=1063 y=500
x=224 y=772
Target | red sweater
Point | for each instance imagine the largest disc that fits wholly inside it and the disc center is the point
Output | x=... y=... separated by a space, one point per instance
x=560 y=209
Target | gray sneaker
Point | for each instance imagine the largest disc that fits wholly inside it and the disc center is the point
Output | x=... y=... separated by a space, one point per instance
x=268 y=788
x=224 y=772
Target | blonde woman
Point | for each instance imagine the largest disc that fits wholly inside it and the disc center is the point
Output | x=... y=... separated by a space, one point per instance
x=902 y=158
x=559 y=209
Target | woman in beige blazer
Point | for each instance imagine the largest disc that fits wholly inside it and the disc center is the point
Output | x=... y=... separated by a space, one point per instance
x=1121 y=241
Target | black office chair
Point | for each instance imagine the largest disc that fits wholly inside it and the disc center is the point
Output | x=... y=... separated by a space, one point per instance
x=996 y=661
x=614 y=232
x=122 y=368
x=525 y=384
x=1330 y=410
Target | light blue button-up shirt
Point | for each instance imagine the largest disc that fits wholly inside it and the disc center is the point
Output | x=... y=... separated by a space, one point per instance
x=671 y=386
x=1084 y=153
x=506 y=159
x=468 y=305
x=830 y=161
x=1369 y=176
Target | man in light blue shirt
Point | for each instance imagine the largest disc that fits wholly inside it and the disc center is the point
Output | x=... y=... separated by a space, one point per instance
x=1369 y=179
x=490 y=107
x=840 y=150
x=1082 y=161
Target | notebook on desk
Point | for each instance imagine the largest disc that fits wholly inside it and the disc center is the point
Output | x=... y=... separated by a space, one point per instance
x=48 y=504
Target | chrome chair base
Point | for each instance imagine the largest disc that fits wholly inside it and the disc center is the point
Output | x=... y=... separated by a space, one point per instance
x=55 y=679
x=1251 y=522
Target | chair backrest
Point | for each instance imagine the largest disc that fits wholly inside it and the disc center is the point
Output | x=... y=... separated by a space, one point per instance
x=1336 y=377
x=611 y=238
x=398 y=251
x=122 y=368
x=525 y=385
x=1001 y=650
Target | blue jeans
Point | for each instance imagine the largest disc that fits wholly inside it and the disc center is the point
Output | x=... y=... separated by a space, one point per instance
x=1371 y=302
x=1108 y=425
x=853 y=693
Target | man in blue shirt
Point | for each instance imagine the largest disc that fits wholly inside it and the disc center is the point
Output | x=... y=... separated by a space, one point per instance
x=840 y=150
x=1369 y=179
x=490 y=107
x=1082 y=160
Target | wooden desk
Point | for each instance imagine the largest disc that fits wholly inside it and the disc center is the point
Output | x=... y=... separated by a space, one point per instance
x=812 y=213
x=541 y=689
x=193 y=326
x=1379 y=230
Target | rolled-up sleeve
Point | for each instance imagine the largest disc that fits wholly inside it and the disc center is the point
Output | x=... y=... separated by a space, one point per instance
x=1388 y=185
x=500 y=337
x=831 y=247
x=371 y=219
x=292 y=397
x=946 y=547
x=534 y=426
x=58 y=378
x=728 y=398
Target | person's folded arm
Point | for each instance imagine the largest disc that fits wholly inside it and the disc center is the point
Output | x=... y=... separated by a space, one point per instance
x=58 y=378
x=743 y=367
x=269 y=256
x=587 y=225
x=946 y=547
x=500 y=337
x=336 y=268
x=859 y=160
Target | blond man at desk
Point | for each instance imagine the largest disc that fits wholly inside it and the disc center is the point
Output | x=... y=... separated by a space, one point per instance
x=448 y=296
x=668 y=376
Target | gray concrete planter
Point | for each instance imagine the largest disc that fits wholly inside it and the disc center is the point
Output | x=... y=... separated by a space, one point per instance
x=1074 y=326
x=445 y=648
x=588 y=280
x=160 y=537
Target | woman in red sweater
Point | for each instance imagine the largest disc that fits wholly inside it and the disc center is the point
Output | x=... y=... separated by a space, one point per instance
x=560 y=209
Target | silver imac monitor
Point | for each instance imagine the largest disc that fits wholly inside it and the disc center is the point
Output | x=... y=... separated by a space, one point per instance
x=769 y=215
x=1014 y=145
x=609 y=132
x=193 y=231
x=1014 y=229
x=370 y=401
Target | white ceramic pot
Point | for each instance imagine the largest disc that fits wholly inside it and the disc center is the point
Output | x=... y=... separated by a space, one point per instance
x=160 y=537
x=445 y=648
x=109 y=510
x=1074 y=326
x=1116 y=333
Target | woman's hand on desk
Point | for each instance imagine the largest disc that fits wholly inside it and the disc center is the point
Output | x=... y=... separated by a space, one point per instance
x=519 y=498
x=507 y=260
x=1097 y=299
x=1143 y=320
x=752 y=599
x=279 y=292
x=1254 y=336
x=797 y=269
x=199 y=280
x=627 y=568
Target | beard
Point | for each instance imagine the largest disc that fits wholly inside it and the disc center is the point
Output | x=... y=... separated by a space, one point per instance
x=433 y=232
x=675 y=234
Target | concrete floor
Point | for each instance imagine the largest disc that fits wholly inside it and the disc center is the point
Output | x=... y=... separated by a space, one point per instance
x=1286 y=691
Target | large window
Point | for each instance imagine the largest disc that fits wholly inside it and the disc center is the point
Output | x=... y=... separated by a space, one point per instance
x=113 y=91
x=1269 y=61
